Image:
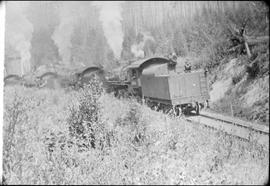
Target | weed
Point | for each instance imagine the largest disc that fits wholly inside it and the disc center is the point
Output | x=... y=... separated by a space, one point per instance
x=91 y=137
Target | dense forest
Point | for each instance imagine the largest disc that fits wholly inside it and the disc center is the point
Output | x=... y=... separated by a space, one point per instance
x=85 y=33
x=109 y=34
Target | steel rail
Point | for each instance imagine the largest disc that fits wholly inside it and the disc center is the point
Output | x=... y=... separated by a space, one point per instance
x=235 y=121
x=217 y=122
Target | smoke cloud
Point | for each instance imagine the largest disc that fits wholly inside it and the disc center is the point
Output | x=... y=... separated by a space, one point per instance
x=137 y=49
x=111 y=17
x=19 y=32
x=62 y=34
x=70 y=12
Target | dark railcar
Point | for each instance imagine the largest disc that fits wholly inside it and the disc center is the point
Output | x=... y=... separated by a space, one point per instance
x=166 y=83
x=185 y=91
x=50 y=80
x=89 y=73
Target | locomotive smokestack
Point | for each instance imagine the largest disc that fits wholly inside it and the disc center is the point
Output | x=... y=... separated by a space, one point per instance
x=138 y=48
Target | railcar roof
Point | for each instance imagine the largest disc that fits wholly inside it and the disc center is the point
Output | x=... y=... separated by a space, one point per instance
x=151 y=70
x=138 y=63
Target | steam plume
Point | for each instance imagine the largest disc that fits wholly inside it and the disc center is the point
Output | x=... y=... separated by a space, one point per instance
x=69 y=14
x=19 y=32
x=137 y=49
x=62 y=34
x=110 y=16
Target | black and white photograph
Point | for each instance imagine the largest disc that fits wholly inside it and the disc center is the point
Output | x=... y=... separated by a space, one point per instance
x=134 y=92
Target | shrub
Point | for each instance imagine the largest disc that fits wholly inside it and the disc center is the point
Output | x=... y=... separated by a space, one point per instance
x=83 y=121
x=133 y=144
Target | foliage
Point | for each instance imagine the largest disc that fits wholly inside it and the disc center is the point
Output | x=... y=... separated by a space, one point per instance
x=209 y=31
x=247 y=98
x=206 y=30
x=47 y=140
x=83 y=121
x=44 y=20
x=89 y=137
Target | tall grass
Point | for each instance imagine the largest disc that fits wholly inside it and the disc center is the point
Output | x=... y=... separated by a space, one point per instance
x=90 y=137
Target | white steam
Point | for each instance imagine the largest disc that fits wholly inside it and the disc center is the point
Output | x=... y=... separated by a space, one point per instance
x=137 y=49
x=111 y=17
x=69 y=14
x=19 y=33
x=62 y=34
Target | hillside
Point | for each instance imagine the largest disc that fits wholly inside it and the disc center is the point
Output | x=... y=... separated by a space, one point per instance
x=236 y=92
x=89 y=137
x=211 y=34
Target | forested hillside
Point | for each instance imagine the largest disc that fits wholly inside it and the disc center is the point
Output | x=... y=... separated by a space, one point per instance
x=210 y=33
x=230 y=39
x=76 y=32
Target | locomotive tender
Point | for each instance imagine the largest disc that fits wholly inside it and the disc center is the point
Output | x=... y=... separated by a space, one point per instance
x=164 y=83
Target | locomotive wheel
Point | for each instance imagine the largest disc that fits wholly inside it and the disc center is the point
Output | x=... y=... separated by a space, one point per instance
x=148 y=103
x=197 y=108
x=139 y=99
x=176 y=111
x=171 y=112
x=202 y=105
x=180 y=112
x=156 y=108
x=207 y=104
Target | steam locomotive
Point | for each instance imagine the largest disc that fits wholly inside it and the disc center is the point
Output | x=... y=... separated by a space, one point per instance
x=165 y=84
x=160 y=82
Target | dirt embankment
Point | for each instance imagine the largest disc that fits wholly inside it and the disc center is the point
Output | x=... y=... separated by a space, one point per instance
x=234 y=92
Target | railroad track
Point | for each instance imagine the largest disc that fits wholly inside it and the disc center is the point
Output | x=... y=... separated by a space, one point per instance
x=236 y=127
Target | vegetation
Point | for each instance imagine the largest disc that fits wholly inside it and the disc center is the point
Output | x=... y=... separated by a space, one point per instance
x=211 y=31
x=89 y=137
